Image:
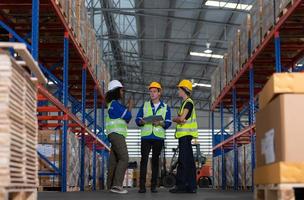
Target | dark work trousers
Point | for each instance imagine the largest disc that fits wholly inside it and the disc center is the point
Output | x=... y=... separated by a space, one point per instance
x=186 y=170
x=118 y=160
x=146 y=146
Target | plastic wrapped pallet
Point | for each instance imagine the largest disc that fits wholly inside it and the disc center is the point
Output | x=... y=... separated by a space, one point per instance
x=50 y=146
x=64 y=5
x=88 y=168
x=18 y=126
x=216 y=172
x=280 y=5
x=236 y=52
x=230 y=56
x=82 y=25
x=128 y=179
x=248 y=165
x=256 y=36
x=223 y=75
x=246 y=29
x=268 y=16
x=73 y=8
x=213 y=87
x=241 y=166
x=229 y=168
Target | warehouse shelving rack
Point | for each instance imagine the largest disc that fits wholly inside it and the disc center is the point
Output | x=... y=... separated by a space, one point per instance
x=41 y=25
x=279 y=51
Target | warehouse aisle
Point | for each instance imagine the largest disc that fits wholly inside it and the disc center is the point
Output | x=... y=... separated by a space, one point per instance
x=203 y=194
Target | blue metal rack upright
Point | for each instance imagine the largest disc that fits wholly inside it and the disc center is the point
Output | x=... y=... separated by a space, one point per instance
x=48 y=53
x=258 y=67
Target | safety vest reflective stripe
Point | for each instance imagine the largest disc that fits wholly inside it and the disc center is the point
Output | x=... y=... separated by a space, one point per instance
x=116 y=125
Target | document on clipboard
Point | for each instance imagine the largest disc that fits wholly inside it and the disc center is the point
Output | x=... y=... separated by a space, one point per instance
x=153 y=118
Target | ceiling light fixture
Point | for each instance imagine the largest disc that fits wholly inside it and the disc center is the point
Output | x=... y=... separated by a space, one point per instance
x=206 y=55
x=201 y=85
x=225 y=4
x=208 y=50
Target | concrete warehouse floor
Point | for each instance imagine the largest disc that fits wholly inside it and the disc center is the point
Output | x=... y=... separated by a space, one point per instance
x=163 y=194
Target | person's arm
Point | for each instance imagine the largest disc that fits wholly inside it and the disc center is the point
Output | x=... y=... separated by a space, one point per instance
x=139 y=118
x=168 y=120
x=117 y=110
x=182 y=118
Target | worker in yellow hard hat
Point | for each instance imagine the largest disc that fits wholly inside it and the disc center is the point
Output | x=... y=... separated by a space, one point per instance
x=152 y=133
x=186 y=130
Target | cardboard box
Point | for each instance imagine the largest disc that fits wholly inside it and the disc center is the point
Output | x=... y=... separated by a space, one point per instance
x=280 y=83
x=279 y=131
x=280 y=172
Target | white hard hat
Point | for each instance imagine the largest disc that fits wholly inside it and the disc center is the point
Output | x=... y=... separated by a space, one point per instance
x=114 y=84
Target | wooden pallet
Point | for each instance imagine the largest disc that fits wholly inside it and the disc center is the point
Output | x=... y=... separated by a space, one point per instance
x=18 y=193
x=18 y=127
x=279 y=192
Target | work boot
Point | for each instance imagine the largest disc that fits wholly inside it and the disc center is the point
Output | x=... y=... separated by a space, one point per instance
x=142 y=190
x=153 y=189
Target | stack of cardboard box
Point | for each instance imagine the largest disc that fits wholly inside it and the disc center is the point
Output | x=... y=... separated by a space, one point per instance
x=279 y=131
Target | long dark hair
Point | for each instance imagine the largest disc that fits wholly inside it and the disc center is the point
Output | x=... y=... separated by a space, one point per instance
x=113 y=95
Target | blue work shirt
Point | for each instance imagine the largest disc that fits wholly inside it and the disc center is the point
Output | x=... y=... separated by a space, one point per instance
x=117 y=110
x=167 y=121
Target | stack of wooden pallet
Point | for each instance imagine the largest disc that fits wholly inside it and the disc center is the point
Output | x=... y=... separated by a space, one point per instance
x=18 y=131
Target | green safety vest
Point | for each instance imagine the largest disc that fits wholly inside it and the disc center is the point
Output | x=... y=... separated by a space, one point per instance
x=116 y=125
x=148 y=128
x=190 y=127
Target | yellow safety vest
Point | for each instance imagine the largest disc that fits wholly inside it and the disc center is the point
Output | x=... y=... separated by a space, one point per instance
x=148 y=128
x=116 y=125
x=190 y=127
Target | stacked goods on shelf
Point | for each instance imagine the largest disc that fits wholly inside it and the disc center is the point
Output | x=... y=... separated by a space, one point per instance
x=267 y=15
x=18 y=128
x=256 y=36
x=229 y=158
x=216 y=84
x=241 y=166
x=279 y=135
x=280 y=5
x=79 y=22
x=50 y=147
x=217 y=171
x=88 y=160
x=236 y=53
x=223 y=74
x=72 y=16
x=246 y=29
x=230 y=59
x=64 y=5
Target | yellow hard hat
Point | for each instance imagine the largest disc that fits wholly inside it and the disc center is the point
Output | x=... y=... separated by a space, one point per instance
x=185 y=84
x=155 y=85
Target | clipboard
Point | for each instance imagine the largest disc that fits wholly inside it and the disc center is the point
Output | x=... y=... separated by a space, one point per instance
x=153 y=118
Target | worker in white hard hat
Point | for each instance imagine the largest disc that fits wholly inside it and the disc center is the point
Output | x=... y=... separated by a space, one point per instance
x=186 y=130
x=152 y=134
x=118 y=116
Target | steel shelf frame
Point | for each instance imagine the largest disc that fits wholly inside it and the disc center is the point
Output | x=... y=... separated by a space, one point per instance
x=61 y=99
x=229 y=98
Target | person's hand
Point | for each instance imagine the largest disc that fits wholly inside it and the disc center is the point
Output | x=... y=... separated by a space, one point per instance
x=158 y=123
x=142 y=122
x=175 y=119
x=130 y=104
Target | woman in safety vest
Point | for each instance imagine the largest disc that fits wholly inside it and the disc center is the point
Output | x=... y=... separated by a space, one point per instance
x=186 y=130
x=116 y=128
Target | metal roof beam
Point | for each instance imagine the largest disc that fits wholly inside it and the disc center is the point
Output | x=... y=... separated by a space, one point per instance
x=210 y=22
x=194 y=9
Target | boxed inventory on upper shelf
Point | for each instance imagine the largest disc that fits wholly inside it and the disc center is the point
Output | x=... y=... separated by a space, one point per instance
x=246 y=39
x=76 y=16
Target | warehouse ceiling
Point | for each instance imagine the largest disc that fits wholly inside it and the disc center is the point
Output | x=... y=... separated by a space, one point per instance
x=151 y=40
